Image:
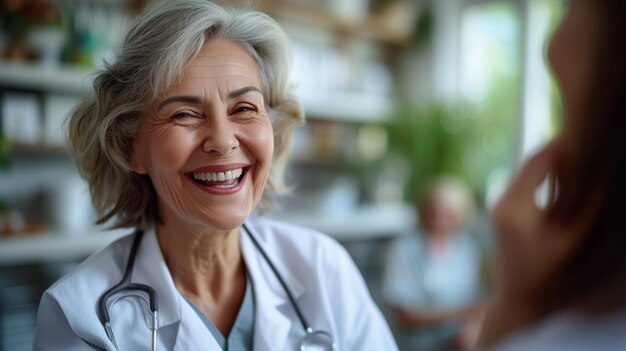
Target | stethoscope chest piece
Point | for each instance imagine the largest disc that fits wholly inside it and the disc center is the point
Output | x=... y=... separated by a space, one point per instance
x=317 y=341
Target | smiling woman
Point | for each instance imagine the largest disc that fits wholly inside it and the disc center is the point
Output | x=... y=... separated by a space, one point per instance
x=184 y=137
x=212 y=122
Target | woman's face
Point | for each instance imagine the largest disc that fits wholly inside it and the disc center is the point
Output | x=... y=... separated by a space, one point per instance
x=443 y=213
x=573 y=55
x=207 y=144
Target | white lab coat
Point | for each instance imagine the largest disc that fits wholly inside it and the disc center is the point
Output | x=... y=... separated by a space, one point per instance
x=324 y=280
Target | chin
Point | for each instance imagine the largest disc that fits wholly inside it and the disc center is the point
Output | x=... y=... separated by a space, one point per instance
x=227 y=219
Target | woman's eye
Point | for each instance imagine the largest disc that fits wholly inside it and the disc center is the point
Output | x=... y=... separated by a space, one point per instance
x=245 y=108
x=186 y=118
x=182 y=115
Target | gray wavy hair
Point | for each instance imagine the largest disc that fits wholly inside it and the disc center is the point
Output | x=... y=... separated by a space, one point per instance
x=157 y=49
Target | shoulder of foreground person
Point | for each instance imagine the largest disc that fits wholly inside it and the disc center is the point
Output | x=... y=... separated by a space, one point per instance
x=571 y=332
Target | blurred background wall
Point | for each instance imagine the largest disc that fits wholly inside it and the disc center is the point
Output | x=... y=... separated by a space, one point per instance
x=396 y=92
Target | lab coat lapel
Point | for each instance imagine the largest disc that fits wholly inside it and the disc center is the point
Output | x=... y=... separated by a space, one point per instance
x=274 y=320
x=180 y=328
x=150 y=269
x=193 y=334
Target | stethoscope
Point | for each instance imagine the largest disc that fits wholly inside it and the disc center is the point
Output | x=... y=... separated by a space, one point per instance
x=313 y=340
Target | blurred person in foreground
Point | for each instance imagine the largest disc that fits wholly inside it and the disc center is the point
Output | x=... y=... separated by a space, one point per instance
x=184 y=137
x=432 y=278
x=562 y=280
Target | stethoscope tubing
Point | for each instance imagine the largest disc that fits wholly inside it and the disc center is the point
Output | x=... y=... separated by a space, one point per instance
x=310 y=332
x=303 y=321
x=126 y=284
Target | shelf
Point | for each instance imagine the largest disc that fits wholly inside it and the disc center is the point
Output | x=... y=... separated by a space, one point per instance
x=347 y=107
x=30 y=76
x=53 y=246
x=344 y=106
x=366 y=223
x=374 y=26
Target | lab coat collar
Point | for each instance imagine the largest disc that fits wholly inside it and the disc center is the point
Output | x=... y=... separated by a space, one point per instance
x=264 y=278
x=176 y=317
x=272 y=325
x=151 y=270
x=190 y=332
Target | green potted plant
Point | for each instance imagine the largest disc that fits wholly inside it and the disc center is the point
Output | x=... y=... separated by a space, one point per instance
x=4 y=164
x=5 y=149
x=461 y=140
x=429 y=141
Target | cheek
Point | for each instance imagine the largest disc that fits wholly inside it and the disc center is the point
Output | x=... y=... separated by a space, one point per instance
x=563 y=59
x=573 y=53
x=554 y=52
x=261 y=143
x=169 y=150
x=570 y=56
x=266 y=138
x=165 y=150
x=261 y=146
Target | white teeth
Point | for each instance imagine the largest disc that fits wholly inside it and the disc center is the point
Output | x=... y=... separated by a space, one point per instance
x=218 y=176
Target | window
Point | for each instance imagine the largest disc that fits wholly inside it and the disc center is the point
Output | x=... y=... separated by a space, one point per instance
x=505 y=85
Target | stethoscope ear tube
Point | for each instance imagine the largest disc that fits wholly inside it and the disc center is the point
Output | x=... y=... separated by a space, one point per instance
x=103 y=312
x=303 y=320
x=126 y=284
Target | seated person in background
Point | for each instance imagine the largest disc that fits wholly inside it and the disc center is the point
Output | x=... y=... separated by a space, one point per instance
x=432 y=277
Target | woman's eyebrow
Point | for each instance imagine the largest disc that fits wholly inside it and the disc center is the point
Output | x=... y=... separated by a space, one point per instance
x=241 y=91
x=190 y=99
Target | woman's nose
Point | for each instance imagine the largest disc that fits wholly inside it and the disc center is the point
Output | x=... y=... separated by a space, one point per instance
x=220 y=137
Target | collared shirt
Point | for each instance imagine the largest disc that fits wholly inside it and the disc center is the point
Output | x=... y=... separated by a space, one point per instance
x=242 y=333
x=417 y=280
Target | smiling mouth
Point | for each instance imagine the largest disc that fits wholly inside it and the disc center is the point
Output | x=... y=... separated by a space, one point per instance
x=222 y=180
